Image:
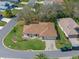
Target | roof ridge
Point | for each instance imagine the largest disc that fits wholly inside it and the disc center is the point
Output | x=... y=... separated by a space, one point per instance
x=45 y=29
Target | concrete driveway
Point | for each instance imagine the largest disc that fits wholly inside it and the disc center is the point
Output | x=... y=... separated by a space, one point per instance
x=1 y=27
x=50 y=45
x=24 y=3
x=6 y=19
x=19 y=8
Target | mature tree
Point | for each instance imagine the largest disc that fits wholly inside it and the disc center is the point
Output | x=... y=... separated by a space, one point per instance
x=8 y=13
x=69 y=6
x=28 y=15
x=44 y=13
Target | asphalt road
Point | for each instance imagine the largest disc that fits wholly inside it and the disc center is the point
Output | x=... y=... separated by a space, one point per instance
x=7 y=53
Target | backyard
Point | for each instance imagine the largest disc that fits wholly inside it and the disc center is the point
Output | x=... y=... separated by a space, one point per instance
x=14 y=40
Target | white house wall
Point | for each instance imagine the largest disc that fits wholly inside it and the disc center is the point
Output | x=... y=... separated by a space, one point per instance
x=49 y=37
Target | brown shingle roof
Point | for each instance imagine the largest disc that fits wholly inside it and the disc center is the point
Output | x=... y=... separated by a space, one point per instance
x=43 y=29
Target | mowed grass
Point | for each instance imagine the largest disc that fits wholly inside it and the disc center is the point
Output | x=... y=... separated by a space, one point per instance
x=75 y=57
x=21 y=44
x=62 y=41
x=2 y=23
x=15 y=11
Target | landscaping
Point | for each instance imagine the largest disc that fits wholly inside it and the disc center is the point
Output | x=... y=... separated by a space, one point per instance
x=14 y=11
x=24 y=0
x=75 y=57
x=62 y=41
x=2 y=23
x=40 y=0
x=14 y=40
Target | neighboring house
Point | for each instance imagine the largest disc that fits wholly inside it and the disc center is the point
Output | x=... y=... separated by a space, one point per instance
x=5 y=5
x=45 y=30
x=52 y=1
x=71 y=30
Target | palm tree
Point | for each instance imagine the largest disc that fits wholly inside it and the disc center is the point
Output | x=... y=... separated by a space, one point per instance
x=41 y=56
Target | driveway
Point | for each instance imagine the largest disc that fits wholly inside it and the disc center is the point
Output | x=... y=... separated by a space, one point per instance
x=41 y=2
x=1 y=27
x=18 y=8
x=6 y=19
x=50 y=45
x=24 y=3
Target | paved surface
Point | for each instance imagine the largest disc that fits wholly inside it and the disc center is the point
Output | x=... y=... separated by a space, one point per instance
x=24 y=3
x=65 y=58
x=19 y=8
x=42 y=2
x=50 y=45
x=1 y=27
x=11 y=58
x=6 y=19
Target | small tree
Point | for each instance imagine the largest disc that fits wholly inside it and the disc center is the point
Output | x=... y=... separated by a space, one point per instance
x=8 y=13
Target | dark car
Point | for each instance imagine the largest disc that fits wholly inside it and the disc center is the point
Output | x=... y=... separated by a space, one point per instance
x=13 y=6
x=75 y=48
x=1 y=17
x=64 y=49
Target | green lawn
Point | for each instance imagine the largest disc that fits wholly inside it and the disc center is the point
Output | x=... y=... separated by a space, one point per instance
x=24 y=0
x=2 y=23
x=1 y=12
x=40 y=0
x=75 y=57
x=21 y=44
x=14 y=11
x=62 y=41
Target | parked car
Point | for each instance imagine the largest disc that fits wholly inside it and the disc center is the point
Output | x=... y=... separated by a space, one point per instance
x=64 y=49
x=13 y=6
x=1 y=16
x=75 y=48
